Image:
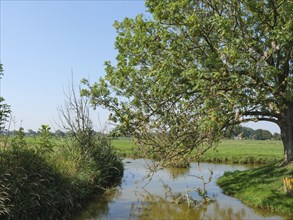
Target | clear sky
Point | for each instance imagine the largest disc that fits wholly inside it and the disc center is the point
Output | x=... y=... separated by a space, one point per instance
x=43 y=41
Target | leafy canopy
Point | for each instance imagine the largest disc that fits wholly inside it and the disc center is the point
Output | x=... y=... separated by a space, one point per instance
x=196 y=68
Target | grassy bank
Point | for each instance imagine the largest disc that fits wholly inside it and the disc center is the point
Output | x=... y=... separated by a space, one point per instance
x=52 y=183
x=228 y=151
x=260 y=187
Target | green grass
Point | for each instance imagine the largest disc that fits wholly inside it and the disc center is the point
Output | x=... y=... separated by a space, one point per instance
x=260 y=187
x=228 y=151
x=246 y=151
x=124 y=147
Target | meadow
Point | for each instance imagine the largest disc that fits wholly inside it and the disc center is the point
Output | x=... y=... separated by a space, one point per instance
x=227 y=151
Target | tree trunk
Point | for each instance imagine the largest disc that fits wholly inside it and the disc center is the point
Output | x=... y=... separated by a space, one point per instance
x=287 y=133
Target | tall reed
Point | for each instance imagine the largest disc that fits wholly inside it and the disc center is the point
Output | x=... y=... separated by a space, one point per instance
x=42 y=181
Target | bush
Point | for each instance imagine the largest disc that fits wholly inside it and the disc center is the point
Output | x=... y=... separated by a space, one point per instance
x=30 y=187
x=107 y=162
x=97 y=147
x=50 y=183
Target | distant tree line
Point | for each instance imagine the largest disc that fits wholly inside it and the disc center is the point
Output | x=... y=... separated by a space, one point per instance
x=241 y=132
x=238 y=132
x=32 y=133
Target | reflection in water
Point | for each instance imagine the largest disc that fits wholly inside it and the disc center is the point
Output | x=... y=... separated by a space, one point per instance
x=156 y=207
x=99 y=208
x=158 y=199
x=177 y=172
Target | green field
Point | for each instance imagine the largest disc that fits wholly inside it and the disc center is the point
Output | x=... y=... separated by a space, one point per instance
x=228 y=151
x=246 y=151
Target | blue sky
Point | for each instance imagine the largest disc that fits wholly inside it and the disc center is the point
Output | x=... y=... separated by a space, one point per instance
x=43 y=41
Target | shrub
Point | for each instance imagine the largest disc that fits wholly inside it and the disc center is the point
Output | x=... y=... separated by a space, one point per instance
x=50 y=183
x=106 y=160
x=30 y=187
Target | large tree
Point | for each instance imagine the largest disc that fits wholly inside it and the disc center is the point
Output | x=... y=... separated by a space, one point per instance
x=195 y=68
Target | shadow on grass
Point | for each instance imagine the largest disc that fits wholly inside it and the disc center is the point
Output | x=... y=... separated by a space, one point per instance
x=279 y=202
x=260 y=187
x=232 y=182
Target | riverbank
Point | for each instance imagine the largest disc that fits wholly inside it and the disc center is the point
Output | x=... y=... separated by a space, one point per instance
x=228 y=151
x=260 y=187
x=42 y=180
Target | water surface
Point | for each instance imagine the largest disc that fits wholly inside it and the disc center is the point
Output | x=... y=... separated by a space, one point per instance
x=139 y=198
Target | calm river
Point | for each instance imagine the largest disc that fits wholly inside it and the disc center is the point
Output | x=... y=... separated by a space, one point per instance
x=159 y=199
